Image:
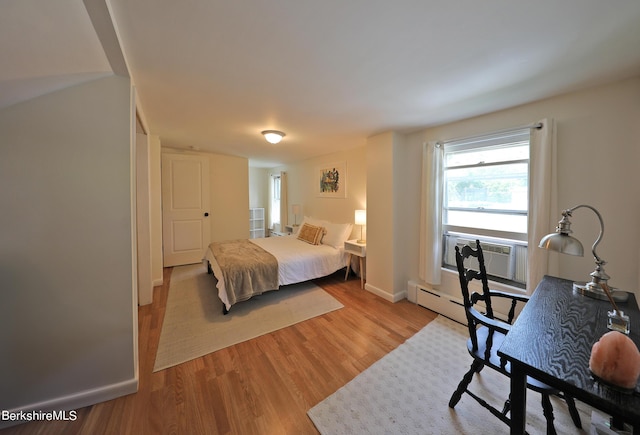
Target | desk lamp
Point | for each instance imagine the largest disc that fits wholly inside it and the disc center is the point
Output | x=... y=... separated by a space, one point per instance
x=598 y=288
x=562 y=241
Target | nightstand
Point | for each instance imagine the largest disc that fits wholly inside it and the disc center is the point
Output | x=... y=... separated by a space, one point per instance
x=290 y=228
x=352 y=247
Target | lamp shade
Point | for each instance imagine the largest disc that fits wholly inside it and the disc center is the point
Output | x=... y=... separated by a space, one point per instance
x=360 y=217
x=273 y=136
x=295 y=209
x=563 y=243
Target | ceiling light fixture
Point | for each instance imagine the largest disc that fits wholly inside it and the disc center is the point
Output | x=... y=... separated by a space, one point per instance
x=273 y=136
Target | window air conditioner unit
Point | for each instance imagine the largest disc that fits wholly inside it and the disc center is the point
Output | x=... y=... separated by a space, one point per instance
x=498 y=259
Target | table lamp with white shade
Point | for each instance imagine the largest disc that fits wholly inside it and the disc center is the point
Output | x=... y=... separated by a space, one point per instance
x=295 y=209
x=361 y=219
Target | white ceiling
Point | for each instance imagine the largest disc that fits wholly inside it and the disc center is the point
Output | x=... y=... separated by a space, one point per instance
x=212 y=74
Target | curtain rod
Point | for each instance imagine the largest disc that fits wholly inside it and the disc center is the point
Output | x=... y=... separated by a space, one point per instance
x=537 y=126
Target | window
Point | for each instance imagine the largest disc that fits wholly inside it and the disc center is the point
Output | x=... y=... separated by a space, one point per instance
x=275 y=200
x=486 y=197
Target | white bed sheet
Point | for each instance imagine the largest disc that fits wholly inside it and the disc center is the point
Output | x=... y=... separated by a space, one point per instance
x=298 y=261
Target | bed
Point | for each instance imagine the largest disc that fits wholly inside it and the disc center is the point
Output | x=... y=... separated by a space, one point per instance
x=246 y=268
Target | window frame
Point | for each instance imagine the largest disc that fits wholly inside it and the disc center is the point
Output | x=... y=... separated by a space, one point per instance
x=512 y=138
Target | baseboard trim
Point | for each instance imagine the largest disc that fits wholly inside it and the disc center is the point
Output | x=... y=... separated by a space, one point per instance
x=76 y=400
x=400 y=296
x=384 y=295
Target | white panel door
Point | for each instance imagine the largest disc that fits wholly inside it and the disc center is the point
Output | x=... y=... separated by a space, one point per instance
x=185 y=207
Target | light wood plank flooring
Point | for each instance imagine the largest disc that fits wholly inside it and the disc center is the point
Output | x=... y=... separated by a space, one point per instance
x=263 y=386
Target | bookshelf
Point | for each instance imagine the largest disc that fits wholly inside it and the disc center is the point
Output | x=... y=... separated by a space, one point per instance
x=256 y=223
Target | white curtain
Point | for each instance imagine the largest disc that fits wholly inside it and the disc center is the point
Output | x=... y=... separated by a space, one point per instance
x=284 y=212
x=543 y=199
x=431 y=213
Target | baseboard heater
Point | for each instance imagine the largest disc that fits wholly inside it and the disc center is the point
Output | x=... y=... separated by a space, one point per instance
x=440 y=303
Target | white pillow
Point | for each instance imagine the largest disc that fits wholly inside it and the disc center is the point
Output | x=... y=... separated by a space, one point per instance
x=311 y=221
x=336 y=234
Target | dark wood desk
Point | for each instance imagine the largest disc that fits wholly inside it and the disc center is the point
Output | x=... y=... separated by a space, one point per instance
x=551 y=340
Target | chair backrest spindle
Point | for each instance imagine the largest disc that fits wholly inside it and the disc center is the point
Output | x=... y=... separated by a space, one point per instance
x=467 y=275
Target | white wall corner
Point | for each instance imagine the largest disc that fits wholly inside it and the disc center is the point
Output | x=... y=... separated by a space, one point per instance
x=396 y=297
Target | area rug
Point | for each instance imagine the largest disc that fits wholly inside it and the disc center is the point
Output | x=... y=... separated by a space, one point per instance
x=194 y=325
x=408 y=391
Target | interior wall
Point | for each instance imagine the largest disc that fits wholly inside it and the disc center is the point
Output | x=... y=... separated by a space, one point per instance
x=259 y=188
x=229 y=197
x=389 y=167
x=143 y=220
x=598 y=139
x=405 y=171
x=303 y=188
x=67 y=302
x=381 y=265
x=155 y=208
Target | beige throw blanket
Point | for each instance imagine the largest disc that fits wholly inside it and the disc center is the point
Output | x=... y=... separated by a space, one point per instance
x=247 y=269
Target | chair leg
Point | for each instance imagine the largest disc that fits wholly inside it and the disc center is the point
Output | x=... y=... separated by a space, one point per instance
x=464 y=383
x=573 y=411
x=547 y=410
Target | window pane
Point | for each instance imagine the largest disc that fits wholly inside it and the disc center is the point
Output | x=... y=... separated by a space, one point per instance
x=487 y=221
x=275 y=201
x=488 y=155
x=502 y=187
x=275 y=212
x=276 y=188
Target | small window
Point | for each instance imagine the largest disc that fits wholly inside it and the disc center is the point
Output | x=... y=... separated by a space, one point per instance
x=486 y=197
x=275 y=200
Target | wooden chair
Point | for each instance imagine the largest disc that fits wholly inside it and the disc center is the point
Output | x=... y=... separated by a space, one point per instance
x=486 y=334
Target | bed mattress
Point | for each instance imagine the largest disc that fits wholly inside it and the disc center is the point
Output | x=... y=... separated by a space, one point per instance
x=298 y=261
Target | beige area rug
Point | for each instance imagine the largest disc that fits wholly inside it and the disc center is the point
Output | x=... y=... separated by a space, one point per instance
x=194 y=325
x=408 y=392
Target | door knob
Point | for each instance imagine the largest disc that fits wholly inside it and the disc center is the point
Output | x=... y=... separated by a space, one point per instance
x=206 y=214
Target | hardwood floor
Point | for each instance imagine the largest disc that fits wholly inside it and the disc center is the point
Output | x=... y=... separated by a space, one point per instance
x=262 y=386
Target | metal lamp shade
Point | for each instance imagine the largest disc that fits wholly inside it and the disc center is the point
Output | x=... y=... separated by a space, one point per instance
x=563 y=243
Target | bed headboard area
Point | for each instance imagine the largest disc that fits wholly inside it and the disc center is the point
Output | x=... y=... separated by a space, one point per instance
x=334 y=234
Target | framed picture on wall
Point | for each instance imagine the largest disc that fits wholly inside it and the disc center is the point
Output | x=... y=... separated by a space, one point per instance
x=332 y=180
